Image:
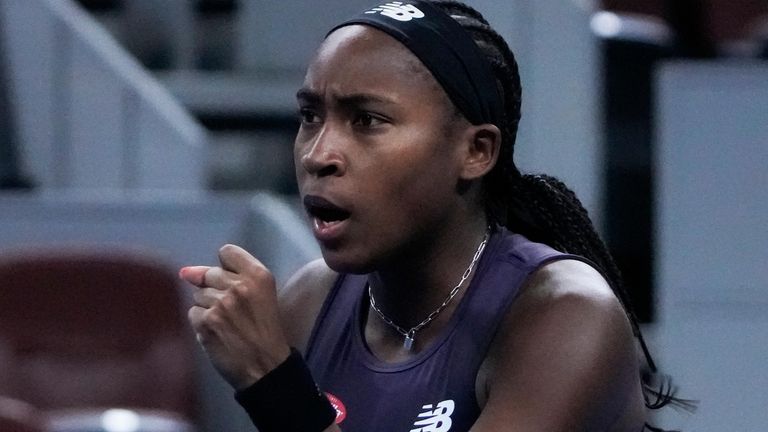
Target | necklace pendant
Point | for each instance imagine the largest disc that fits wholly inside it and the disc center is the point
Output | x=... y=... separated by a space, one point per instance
x=408 y=342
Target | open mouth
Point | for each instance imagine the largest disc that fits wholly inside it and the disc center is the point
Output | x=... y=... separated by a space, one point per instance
x=324 y=211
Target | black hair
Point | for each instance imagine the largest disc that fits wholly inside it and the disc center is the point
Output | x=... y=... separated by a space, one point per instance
x=539 y=206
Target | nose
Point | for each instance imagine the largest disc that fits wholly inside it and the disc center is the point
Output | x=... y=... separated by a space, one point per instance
x=323 y=156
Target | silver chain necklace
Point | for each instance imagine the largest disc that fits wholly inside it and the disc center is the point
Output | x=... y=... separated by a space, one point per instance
x=411 y=334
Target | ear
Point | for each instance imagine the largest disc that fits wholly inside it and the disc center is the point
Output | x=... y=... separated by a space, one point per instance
x=482 y=144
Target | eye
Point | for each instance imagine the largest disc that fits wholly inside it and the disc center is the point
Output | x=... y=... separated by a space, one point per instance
x=308 y=116
x=366 y=119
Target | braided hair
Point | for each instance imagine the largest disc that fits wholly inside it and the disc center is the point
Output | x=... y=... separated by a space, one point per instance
x=540 y=206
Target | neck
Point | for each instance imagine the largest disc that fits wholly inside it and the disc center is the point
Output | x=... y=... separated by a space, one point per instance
x=419 y=281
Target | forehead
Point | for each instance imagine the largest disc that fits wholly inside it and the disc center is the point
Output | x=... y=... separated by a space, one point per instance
x=359 y=58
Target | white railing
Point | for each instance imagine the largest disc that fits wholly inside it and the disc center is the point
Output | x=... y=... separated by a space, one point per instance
x=87 y=114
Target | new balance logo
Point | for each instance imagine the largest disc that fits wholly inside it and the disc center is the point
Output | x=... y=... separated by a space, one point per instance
x=435 y=419
x=397 y=10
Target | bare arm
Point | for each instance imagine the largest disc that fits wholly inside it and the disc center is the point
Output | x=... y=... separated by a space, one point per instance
x=301 y=299
x=565 y=359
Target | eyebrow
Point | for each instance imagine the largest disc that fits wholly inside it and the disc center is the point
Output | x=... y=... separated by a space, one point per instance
x=356 y=99
x=306 y=95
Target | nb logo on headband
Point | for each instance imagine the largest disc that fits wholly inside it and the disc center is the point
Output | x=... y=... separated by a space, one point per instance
x=397 y=10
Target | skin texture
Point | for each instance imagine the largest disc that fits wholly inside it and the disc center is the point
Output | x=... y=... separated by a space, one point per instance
x=380 y=139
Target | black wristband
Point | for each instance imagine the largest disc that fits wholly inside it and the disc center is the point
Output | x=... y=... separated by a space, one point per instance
x=287 y=399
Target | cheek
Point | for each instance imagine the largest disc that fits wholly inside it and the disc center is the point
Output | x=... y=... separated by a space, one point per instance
x=427 y=191
x=298 y=152
x=425 y=182
x=297 y=163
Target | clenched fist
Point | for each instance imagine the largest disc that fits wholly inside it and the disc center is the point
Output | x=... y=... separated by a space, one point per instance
x=235 y=316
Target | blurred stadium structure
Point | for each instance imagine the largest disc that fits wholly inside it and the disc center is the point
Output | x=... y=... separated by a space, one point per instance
x=167 y=125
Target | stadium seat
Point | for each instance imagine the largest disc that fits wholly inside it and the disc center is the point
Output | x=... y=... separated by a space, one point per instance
x=18 y=416
x=92 y=330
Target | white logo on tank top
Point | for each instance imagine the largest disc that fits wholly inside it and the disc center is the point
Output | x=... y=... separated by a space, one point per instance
x=397 y=10
x=435 y=419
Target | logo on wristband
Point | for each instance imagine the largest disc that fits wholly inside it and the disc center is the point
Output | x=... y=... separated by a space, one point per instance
x=338 y=405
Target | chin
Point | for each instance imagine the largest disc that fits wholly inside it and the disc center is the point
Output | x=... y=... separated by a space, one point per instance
x=346 y=262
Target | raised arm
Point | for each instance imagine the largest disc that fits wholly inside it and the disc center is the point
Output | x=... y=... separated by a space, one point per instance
x=235 y=316
x=301 y=299
x=237 y=321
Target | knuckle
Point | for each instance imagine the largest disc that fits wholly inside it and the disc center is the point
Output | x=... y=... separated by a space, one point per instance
x=206 y=277
x=195 y=317
x=212 y=321
x=261 y=274
x=229 y=302
x=198 y=297
x=239 y=290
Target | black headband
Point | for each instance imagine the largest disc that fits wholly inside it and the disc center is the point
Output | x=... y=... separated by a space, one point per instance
x=446 y=49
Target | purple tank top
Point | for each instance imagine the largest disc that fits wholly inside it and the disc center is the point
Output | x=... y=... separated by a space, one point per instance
x=435 y=391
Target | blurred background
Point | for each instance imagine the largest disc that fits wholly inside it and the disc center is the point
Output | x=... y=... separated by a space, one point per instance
x=137 y=136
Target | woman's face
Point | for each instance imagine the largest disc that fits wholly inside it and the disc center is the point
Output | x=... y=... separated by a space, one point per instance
x=377 y=158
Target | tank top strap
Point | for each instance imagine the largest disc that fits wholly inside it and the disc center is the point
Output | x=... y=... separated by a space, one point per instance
x=335 y=316
x=511 y=259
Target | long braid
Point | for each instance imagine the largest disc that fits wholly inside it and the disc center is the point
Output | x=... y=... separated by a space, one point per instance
x=540 y=206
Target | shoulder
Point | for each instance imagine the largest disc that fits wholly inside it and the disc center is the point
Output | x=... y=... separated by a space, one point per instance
x=567 y=297
x=301 y=299
x=560 y=289
x=568 y=307
x=565 y=357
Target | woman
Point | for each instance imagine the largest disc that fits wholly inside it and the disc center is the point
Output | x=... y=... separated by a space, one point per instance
x=426 y=312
